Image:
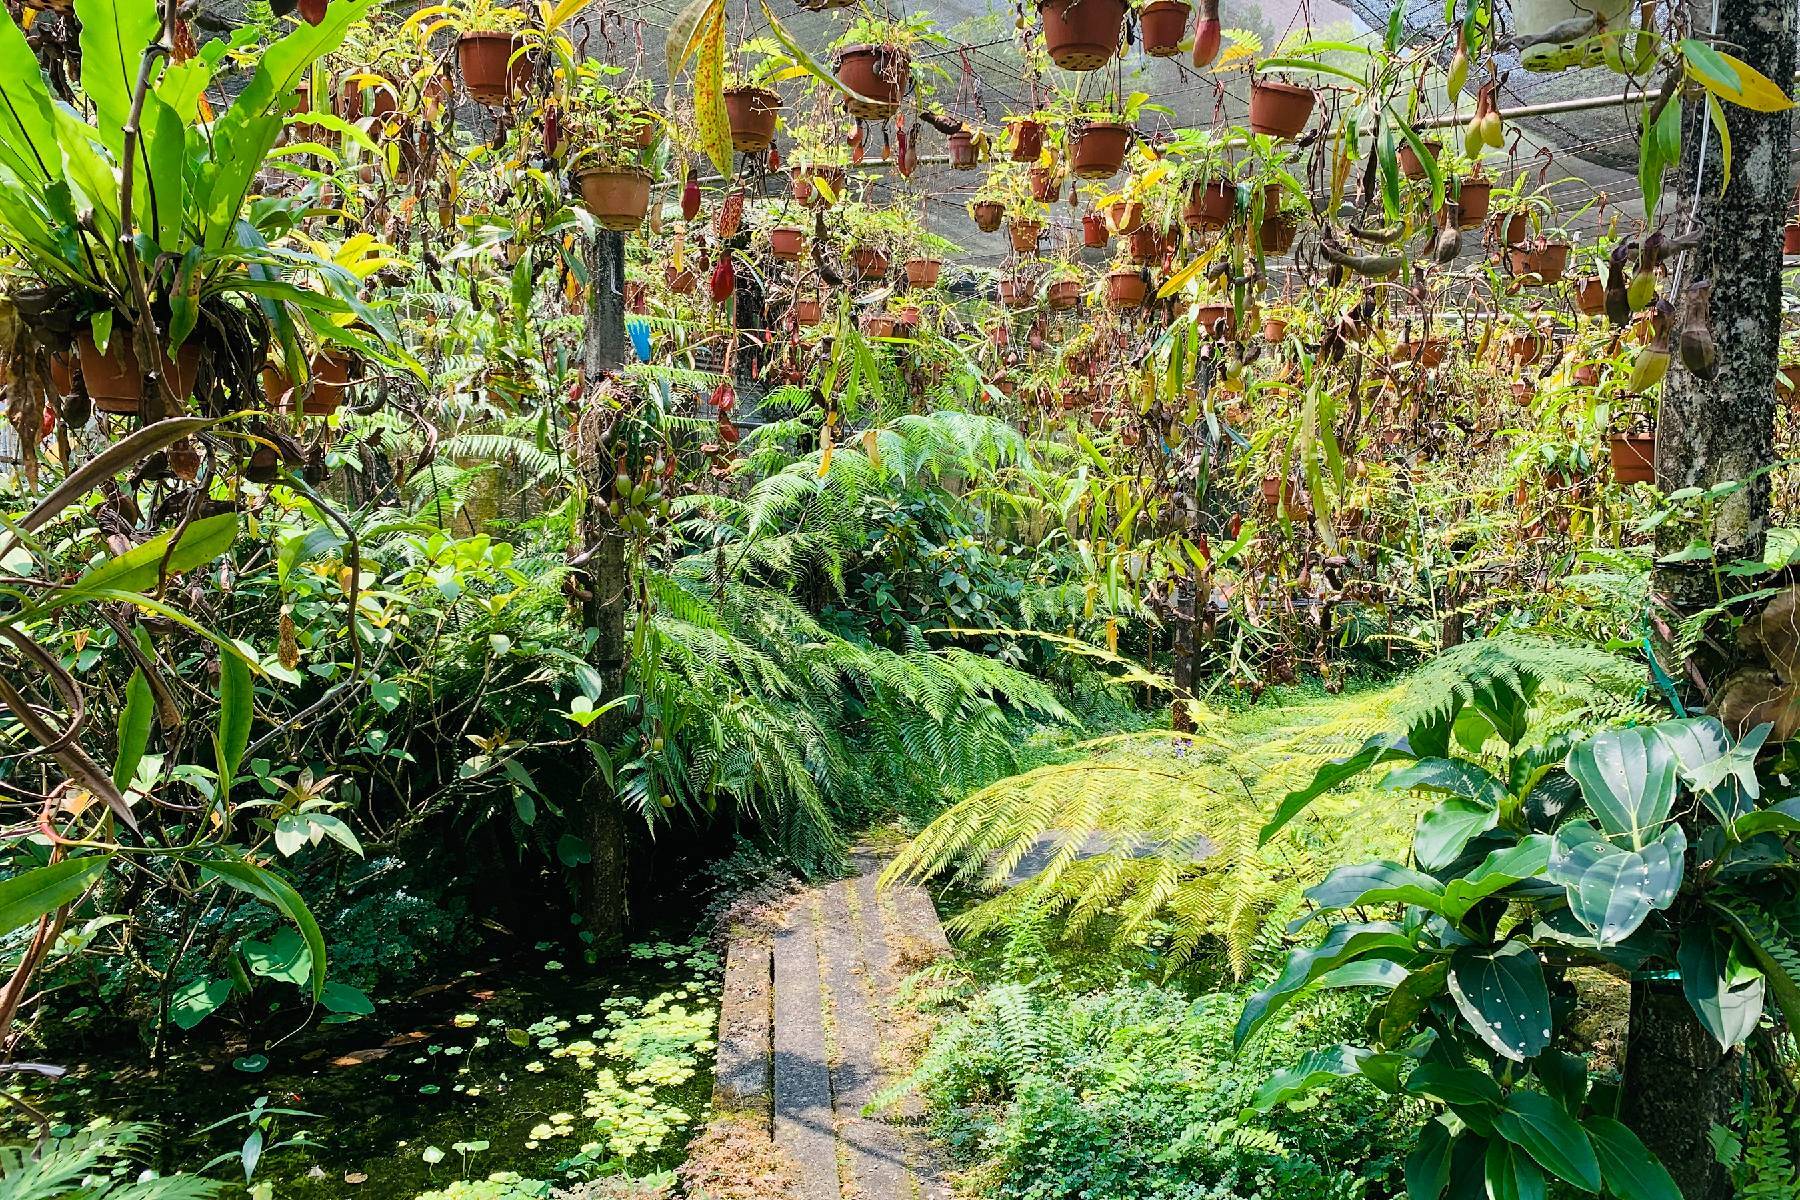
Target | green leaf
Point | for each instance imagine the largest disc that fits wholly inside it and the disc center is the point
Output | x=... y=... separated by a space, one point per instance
x=342 y=998
x=1723 y=128
x=1375 y=883
x=1344 y=943
x=283 y=958
x=1729 y=1004
x=1382 y=748
x=1503 y=997
x=1428 y=1166
x=114 y=34
x=135 y=718
x=1498 y=871
x=280 y=895
x=141 y=568
x=40 y=891
x=1612 y=891
x=1627 y=777
x=573 y=851
x=1630 y=1171
x=1511 y=1175
x=28 y=146
x=1448 y=776
x=1409 y=1000
x=1314 y=1070
x=1551 y=1136
x=236 y=708
x=1446 y=830
x=193 y=1002
x=1454 y=1085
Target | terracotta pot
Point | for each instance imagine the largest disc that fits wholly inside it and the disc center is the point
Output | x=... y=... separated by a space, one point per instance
x=808 y=310
x=1147 y=246
x=910 y=315
x=1590 y=297
x=1126 y=289
x=1276 y=234
x=1097 y=148
x=878 y=74
x=1411 y=165
x=1162 y=24
x=1540 y=265
x=923 y=272
x=1517 y=229
x=1525 y=348
x=680 y=282
x=961 y=147
x=1280 y=110
x=1082 y=35
x=1025 y=235
x=114 y=380
x=331 y=372
x=786 y=242
x=1274 y=330
x=1472 y=203
x=1126 y=216
x=802 y=189
x=1633 y=457
x=1275 y=488
x=62 y=373
x=489 y=70
x=1093 y=231
x=987 y=214
x=1787 y=381
x=751 y=112
x=1213 y=318
x=1063 y=295
x=617 y=196
x=1587 y=375
x=1046 y=185
x=1027 y=141
x=879 y=326
x=1790 y=238
x=1210 y=204
x=871 y=262
x=1014 y=293
x=1427 y=353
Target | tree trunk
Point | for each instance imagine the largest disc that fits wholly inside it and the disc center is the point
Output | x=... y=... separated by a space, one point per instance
x=600 y=821
x=1678 y=1084
x=1189 y=602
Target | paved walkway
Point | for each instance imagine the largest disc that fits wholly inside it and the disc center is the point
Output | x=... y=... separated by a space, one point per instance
x=809 y=1030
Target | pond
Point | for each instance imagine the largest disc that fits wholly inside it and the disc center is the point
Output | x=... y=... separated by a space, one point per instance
x=527 y=1067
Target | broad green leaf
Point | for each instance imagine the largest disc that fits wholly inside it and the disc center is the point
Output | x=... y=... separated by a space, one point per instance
x=1627 y=777
x=193 y=1002
x=1511 y=1175
x=1729 y=1003
x=1314 y=1070
x=28 y=146
x=135 y=718
x=1454 y=1085
x=1409 y=1000
x=342 y=998
x=1448 y=776
x=1344 y=943
x=1630 y=1171
x=140 y=568
x=1777 y=818
x=1428 y=1165
x=1375 y=883
x=280 y=895
x=114 y=34
x=1498 y=871
x=1382 y=748
x=1445 y=831
x=1551 y=1136
x=283 y=957
x=32 y=894
x=1612 y=891
x=1503 y=997
x=237 y=694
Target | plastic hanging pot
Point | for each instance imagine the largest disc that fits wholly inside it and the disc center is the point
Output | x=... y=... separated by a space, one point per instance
x=1162 y=25
x=987 y=214
x=751 y=112
x=617 y=196
x=1082 y=35
x=786 y=242
x=490 y=69
x=878 y=75
x=1027 y=141
x=1633 y=457
x=961 y=148
x=115 y=381
x=1280 y=110
x=923 y=272
x=1126 y=289
x=1097 y=148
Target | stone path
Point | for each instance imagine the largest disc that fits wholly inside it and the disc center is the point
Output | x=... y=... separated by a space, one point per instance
x=808 y=1029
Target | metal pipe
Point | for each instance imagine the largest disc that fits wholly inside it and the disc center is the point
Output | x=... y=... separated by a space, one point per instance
x=1548 y=109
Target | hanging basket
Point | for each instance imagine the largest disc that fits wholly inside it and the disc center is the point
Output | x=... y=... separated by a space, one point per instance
x=1280 y=110
x=1097 y=149
x=1082 y=35
x=1046 y=184
x=961 y=148
x=871 y=262
x=1025 y=235
x=1276 y=234
x=490 y=69
x=1063 y=295
x=617 y=196
x=1027 y=141
x=751 y=112
x=1014 y=293
x=1127 y=217
x=1539 y=266
x=1147 y=246
x=786 y=243
x=878 y=75
x=1472 y=203
x=1590 y=297
x=1210 y=205
x=1093 y=231
x=1163 y=25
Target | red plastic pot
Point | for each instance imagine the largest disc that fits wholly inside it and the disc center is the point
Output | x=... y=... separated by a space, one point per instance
x=1147 y=246
x=1472 y=202
x=786 y=242
x=1276 y=234
x=808 y=310
x=1280 y=110
x=1126 y=289
x=987 y=214
x=617 y=196
x=1539 y=266
x=1163 y=23
x=1025 y=235
x=489 y=70
x=1093 y=231
x=1014 y=293
x=1082 y=35
x=1046 y=185
x=879 y=327
x=1097 y=148
x=1063 y=294
x=1411 y=165
x=961 y=148
x=1590 y=297
x=1027 y=141
x=1127 y=217
x=871 y=262
x=1210 y=204
x=878 y=74
x=1633 y=457
x=751 y=112
x=923 y=272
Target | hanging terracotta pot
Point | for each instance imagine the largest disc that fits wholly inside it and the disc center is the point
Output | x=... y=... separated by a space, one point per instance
x=1147 y=246
x=1216 y=318
x=1280 y=110
x=987 y=214
x=786 y=242
x=1093 y=231
x=1587 y=375
x=801 y=189
x=617 y=196
x=1063 y=295
x=1425 y=353
x=878 y=75
x=1082 y=35
x=115 y=381
x=1027 y=141
x=923 y=272
x=751 y=112
x=1525 y=348
x=1277 y=232
x=871 y=262
x=879 y=326
x=1025 y=235
x=489 y=69
x=1097 y=148
x=1046 y=184
x=1787 y=380
x=910 y=316
x=1790 y=238
x=1274 y=330
x=808 y=310
x=1126 y=289
x=1127 y=217
x=1472 y=202
x=1411 y=165
x=1014 y=293
x=682 y=282
x=1516 y=229
x=1539 y=266
x=1210 y=204
x=961 y=148
x=1590 y=297
x=1633 y=457
x=806 y=180
x=1163 y=25
x=331 y=372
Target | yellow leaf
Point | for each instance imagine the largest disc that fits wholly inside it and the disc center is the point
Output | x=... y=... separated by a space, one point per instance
x=709 y=91
x=825 y=451
x=1755 y=91
x=870 y=447
x=686 y=34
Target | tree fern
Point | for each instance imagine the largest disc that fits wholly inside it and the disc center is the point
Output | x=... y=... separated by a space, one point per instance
x=94 y=1164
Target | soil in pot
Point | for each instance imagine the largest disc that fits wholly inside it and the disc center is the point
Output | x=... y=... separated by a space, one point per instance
x=1097 y=149
x=489 y=70
x=878 y=75
x=1082 y=35
x=751 y=112
x=1162 y=24
x=1126 y=289
x=1280 y=110
x=786 y=242
x=1633 y=457
x=617 y=196
x=987 y=214
x=114 y=380
x=923 y=272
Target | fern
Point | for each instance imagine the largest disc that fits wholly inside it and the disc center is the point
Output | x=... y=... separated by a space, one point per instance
x=94 y=1164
